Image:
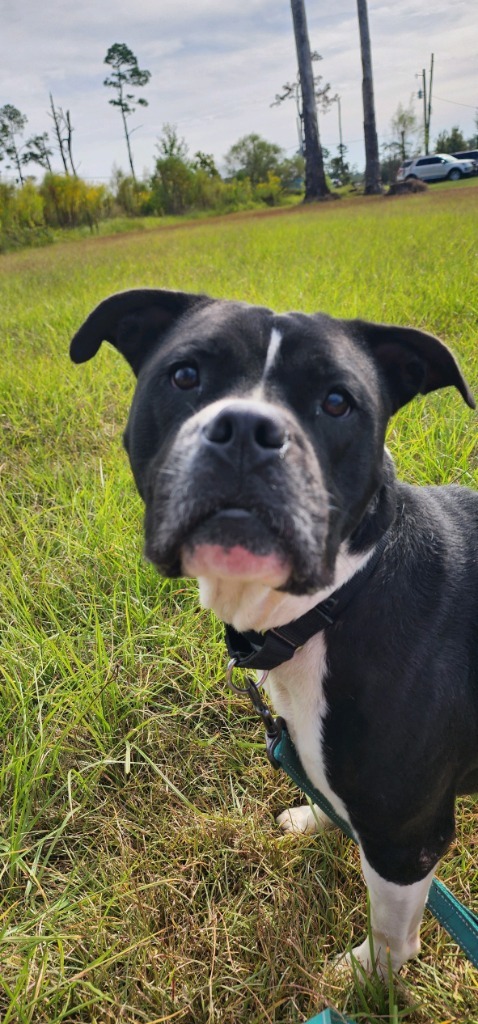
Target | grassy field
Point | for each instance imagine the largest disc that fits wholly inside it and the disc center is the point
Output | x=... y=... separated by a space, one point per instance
x=143 y=876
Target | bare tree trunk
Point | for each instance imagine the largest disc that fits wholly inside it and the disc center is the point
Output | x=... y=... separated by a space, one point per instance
x=315 y=183
x=15 y=152
x=121 y=105
x=59 y=138
x=69 y=141
x=64 y=136
x=372 y=160
x=128 y=144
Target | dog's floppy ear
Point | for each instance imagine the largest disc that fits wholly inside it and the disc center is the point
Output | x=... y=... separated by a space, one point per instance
x=132 y=321
x=412 y=361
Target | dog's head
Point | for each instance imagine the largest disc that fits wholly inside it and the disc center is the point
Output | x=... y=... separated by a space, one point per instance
x=255 y=438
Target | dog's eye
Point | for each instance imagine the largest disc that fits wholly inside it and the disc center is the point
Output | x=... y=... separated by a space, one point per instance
x=185 y=377
x=337 y=404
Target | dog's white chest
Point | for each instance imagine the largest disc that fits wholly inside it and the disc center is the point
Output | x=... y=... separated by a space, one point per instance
x=296 y=689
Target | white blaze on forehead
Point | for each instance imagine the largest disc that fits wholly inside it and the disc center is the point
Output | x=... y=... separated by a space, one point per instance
x=273 y=349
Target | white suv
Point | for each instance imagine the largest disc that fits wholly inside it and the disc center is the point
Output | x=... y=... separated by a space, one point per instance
x=435 y=167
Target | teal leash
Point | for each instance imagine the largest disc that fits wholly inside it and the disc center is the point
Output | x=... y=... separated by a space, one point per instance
x=287 y=757
x=329 y=1017
x=460 y=923
x=456 y=919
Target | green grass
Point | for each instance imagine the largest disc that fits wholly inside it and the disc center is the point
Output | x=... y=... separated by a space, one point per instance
x=143 y=877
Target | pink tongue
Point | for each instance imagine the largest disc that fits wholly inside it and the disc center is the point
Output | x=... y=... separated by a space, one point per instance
x=214 y=560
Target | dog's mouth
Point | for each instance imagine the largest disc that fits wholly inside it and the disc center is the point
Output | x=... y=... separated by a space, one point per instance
x=246 y=539
x=235 y=543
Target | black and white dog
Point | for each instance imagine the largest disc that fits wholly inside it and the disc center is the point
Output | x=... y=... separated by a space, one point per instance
x=256 y=441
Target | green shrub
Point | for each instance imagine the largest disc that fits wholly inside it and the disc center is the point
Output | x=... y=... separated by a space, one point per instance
x=179 y=187
x=173 y=186
x=70 y=202
x=270 y=191
x=20 y=207
x=134 y=198
x=29 y=206
x=237 y=195
x=22 y=219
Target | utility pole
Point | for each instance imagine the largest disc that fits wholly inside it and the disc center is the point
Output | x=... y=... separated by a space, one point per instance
x=427 y=103
x=341 y=143
x=315 y=184
x=430 y=99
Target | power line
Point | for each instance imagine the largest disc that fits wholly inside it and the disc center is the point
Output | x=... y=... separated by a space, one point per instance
x=472 y=106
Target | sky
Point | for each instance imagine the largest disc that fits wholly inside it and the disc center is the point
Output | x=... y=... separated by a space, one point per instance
x=216 y=66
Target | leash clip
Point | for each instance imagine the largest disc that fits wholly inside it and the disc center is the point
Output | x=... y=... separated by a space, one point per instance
x=273 y=726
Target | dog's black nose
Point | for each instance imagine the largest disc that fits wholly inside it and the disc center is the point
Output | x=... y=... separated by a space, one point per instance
x=247 y=429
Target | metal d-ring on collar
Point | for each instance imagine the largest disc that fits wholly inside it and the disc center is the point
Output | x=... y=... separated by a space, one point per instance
x=273 y=726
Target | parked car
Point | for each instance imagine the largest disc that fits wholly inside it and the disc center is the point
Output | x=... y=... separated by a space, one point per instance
x=469 y=154
x=403 y=169
x=435 y=167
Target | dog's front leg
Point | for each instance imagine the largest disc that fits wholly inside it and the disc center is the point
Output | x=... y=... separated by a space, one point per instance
x=396 y=912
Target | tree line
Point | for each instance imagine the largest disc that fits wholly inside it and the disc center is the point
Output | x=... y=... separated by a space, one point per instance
x=126 y=77
x=257 y=171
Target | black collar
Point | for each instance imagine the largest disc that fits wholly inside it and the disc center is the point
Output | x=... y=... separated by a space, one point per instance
x=269 y=649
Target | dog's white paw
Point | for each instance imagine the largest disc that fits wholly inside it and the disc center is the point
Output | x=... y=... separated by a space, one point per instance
x=304 y=819
x=358 y=960
x=358 y=963
x=361 y=962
